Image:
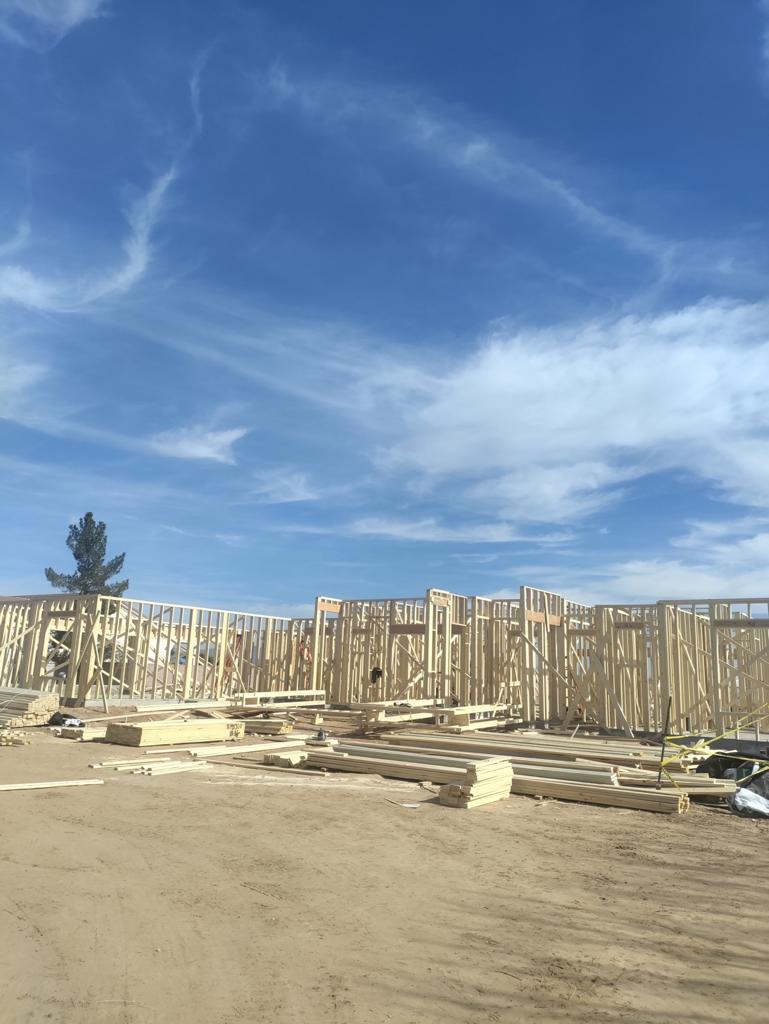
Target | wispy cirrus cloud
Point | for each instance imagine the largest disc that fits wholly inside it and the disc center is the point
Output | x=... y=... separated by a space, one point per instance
x=17 y=240
x=20 y=377
x=49 y=294
x=41 y=24
x=503 y=163
x=283 y=486
x=431 y=530
x=197 y=443
x=763 y=7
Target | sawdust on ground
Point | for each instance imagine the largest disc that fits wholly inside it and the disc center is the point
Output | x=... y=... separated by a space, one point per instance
x=234 y=896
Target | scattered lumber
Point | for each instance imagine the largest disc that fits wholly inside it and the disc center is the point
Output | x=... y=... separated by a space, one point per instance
x=172 y=768
x=121 y=762
x=245 y=748
x=19 y=707
x=146 y=734
x=52 y=785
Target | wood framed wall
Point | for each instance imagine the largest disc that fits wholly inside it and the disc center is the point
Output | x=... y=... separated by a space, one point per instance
x=118 y=649
x=547 y=658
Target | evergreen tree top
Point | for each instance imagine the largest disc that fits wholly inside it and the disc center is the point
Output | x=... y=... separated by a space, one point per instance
x=87 y=540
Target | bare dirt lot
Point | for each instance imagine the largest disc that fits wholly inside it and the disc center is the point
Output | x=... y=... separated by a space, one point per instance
x=240 y=896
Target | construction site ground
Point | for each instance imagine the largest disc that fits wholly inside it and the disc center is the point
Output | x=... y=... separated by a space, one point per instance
x=233 y=896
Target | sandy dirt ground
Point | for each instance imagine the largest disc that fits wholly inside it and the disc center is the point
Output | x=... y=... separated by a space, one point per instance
x=235 y=895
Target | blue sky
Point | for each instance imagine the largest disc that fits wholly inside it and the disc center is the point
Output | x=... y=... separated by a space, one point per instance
x=358 y=299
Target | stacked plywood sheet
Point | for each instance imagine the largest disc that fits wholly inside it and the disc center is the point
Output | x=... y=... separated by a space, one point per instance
x=26 y=707
x=485 y=782
x=150 y=734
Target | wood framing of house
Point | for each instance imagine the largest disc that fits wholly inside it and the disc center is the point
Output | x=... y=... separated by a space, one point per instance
x=540 y=656
x=118 y=649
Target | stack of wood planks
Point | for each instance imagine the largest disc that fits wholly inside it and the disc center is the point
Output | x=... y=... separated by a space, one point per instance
x=484 y=782
x=269 y=726
x=291 y=759
x=331 y=720
x=377 y=759
x=84 y=733
x=12 y=738
x=150 y=734
x=26 y=707
x=618 y=773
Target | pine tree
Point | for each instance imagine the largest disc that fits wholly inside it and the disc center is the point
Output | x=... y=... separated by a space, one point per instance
x=87 y=540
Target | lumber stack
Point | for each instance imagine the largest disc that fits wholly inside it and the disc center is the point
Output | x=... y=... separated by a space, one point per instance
x=85 y=733
x=291 y=759
x=417 y=769
x=12 y=738
x=484 y=782
x=342 y=720
x=20 y=707
x=628 y=753
x=152 y=734
x=269 y=726
x=602 y=772
x=665 y=802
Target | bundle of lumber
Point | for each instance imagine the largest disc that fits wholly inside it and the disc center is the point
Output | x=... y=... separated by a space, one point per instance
x=665 y=802
x=85 y=733
x=335 y=720
x=574 y=770
x=628 y=753
x=12 y=738
x=269 y=726
x=484 y=782
x=26 y=707
x=291 y=759
x=377 y=760
x=151 y=734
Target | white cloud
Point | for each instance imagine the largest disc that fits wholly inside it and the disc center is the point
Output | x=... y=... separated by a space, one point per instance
x=712 y=559
x=429 y=529
x=41 y=24
x=281 y=486
x=197 y=443
x=26 y=288
x=545 y=425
